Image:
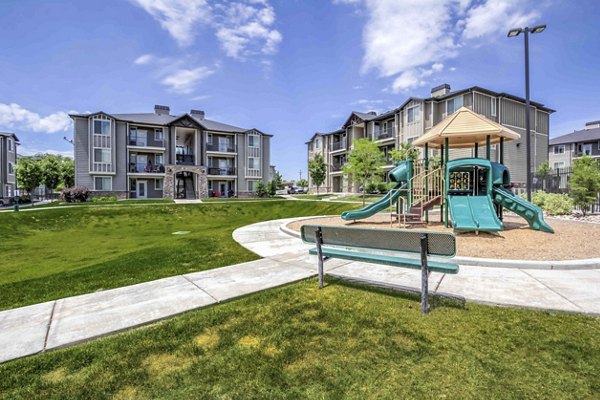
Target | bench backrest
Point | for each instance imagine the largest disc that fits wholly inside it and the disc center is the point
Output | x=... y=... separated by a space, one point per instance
x=409 y=241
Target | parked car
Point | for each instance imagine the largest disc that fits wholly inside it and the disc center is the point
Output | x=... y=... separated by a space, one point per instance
x=300 y=190
x=291 y=190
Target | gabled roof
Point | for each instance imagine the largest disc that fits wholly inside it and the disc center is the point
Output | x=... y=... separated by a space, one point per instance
x=361 y=115
x=584 y=135
x=463 y=129
x=10 y=134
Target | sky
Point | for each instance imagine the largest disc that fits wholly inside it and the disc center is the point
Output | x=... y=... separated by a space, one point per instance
x=289 y=68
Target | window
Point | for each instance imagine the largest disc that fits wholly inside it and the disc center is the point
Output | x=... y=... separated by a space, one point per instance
x=317 y=143
x=253 y=141
x=10 y=144
x=158 y=184
x=209 y=139
x=101 y=127
x=413 y=114
x=559 y=149
x=8 y=190
x=453 y=104
x=102 y=155
x=585 y=149
x=493 y=106
x=251 y=186
x=103 y=183
x=253 y=163
x=158 y=159
x=159 y=135
x=11 y=168
x=558 y=165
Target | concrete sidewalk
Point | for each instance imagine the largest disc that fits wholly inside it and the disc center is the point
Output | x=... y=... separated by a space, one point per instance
x=33 y=329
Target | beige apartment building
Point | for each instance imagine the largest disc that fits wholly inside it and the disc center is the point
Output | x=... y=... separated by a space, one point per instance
x=416 y=116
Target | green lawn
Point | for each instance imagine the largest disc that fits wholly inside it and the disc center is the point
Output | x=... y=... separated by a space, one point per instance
x=312 y=196
x=49 y=254
x=369 y=198
x=297 y=342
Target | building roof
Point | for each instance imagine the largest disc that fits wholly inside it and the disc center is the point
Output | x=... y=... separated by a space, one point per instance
x=584 y=135
x=463 y=129
x=10 y=134
x=166 y=119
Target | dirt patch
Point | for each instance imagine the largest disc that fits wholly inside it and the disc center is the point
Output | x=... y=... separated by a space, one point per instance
x=161 y=365
x=571 y=240
x=207 y=340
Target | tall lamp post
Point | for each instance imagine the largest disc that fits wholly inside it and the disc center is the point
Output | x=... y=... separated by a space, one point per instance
x=513 y=33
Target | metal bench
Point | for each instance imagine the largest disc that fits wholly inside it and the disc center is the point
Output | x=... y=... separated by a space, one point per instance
x=383 y=246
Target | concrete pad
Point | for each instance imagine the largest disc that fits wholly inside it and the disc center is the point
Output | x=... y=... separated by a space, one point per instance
x=252 y=237
x=580 y=287
x=410 y=278
x=308 y=261
x=241 y=279
x=88 y=316
x=274 y=247
x=506 y=286
x=23 y=330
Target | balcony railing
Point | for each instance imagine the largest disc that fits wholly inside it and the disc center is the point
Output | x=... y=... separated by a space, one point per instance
x=139 y=168
x=384 y=134
x=221 y=147
x=184 y=159
x=221 y=171
x=145 y=142
x=335 y=167
x=338 y=145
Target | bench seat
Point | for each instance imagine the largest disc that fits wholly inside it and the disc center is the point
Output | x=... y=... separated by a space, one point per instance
x=394 y=261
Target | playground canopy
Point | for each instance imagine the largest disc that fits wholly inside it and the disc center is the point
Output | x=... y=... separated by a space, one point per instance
x=464 y=129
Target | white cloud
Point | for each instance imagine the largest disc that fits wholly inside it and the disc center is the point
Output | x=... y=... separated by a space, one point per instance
x=243 y=28
x=184 y=80
x=178 y=17
x=144 y=59
x=14 y=116
x=408 y=40
x=26 y=151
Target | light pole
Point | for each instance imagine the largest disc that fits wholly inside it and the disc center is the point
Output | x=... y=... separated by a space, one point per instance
x=512 y=33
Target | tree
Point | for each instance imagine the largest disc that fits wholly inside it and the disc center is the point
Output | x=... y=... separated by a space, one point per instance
x=585 y=182
x=542 y=172
x=406 y=152
x=364 y=163
x=51 y=171
x=302 y=183
x=260 y=189
x=278 y=180
x=29 y=174
x=317 y=170
x=67 y=167
x=271 y=188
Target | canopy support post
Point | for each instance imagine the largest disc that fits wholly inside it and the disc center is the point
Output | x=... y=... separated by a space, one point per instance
x=501 y=150
x=426 y=181
x=476 y=150
x=446 y=145
x=488 y=150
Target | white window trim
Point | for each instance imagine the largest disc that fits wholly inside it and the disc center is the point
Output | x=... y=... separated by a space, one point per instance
x=257 y=140
x=162 y=135
x=103 y=177
x=493 y=107
x=10 y=145
x=562 y=146
x=561 y=165
x=157 y=186
x=209 y=138
x=11 y=168
x=415 y=120
x=102 y=119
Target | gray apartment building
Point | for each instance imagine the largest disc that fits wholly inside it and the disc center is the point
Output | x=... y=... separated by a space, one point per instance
x=8 y=162
x=564 y=149
x=416 y=116
x=159 y=155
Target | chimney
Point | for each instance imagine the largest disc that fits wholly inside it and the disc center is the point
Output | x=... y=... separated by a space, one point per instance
x=198 y=114
x=592 y=125
x=372 y=113
x=441 y=90
x=161 y=110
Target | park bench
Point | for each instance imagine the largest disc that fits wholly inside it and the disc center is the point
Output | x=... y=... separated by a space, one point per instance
x=383 y=246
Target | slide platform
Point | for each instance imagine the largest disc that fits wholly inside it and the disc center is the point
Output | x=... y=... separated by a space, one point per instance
x=528 y=211
x=473 y=213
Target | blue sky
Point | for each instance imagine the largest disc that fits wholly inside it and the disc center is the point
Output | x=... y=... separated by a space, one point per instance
x=286 y=67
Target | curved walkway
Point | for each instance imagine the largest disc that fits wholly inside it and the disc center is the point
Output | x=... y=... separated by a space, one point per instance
x=550 y=289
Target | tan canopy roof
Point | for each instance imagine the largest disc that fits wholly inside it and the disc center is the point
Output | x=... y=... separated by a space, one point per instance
x=463 y=129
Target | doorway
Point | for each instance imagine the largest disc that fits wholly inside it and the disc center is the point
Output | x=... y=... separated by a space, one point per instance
x=141 y=189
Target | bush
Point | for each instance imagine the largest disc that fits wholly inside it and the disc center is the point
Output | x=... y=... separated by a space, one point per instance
x=104 y=199
x=371 y=187
x=260 y=189
x=75 y=194
x=382 y=187
x=553 y=203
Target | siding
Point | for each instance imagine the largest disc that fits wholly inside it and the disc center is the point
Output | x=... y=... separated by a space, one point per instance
x=120 y=157
x=82 y=153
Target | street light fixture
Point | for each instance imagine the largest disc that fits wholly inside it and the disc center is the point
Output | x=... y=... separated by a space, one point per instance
x=513 y=33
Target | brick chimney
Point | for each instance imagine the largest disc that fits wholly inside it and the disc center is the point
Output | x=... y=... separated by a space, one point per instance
x=198 y=114
x=441 y=90
x=592 y=125
x=161 y=110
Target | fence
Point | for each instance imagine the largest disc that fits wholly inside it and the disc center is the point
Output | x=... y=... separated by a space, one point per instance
x=559 y=181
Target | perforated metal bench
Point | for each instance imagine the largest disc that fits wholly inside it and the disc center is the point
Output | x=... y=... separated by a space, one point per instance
x=362 y=244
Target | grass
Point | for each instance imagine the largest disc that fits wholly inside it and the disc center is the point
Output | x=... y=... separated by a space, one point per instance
x=59 y=203
x=50 y=254
x=312 y=196
x=369 y=198
x=299 y=342
x=225 y=199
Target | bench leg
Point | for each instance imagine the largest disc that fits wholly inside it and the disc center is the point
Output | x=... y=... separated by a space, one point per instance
x=424 y=275
x=319 y=240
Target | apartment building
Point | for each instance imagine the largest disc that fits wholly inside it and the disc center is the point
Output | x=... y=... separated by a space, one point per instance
x=159 y=155
x=564 y=149
x=416 y=116
x=8 y=162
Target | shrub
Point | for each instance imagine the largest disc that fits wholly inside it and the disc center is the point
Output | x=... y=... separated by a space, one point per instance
x=260 y=189
x=552 y=203
x=371 y=187
x=75 y=194
x=382 y=187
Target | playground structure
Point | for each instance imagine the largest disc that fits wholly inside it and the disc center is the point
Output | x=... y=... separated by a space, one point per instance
x=471 y=192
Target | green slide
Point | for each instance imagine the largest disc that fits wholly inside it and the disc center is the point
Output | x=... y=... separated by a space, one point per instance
x=473 y=213
x=401 y=174
x=530 y=212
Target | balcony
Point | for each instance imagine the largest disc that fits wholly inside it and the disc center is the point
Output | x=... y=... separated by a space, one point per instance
x=141 y=168
x=221 y=147
x=221 y=171
x=338 y=145
x=384 y=134
x=336 y=167
x=184 y=159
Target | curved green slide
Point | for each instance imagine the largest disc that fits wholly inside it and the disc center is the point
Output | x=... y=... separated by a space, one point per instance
x=401 y=174
x=473 y=213
x=528 y=211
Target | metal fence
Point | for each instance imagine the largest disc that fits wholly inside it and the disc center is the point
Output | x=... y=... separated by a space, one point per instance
x=559 y=181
